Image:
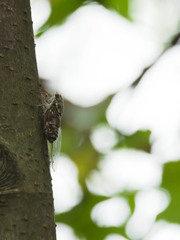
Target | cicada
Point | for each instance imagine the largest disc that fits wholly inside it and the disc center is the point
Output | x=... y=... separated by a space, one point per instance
x=52 y=119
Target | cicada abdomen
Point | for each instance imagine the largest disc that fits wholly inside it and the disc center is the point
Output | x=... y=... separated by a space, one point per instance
x=53 y=118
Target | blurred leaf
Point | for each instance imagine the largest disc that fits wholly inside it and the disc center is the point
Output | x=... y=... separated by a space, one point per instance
x=131 y=198
x=83 y=119
x=139 y=140
x=171 y=182
x=71 y=139
x=120 y=6
x=83 y=154
x=76 y=127
x=79 y=218
x=61 y=9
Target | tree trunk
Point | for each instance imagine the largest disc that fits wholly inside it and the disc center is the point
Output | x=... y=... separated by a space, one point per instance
x=26 y=204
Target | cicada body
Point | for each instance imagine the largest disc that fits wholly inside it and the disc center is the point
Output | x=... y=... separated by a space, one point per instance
x=52 y=118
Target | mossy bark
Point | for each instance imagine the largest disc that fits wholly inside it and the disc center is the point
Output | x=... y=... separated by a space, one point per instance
x=26 y=203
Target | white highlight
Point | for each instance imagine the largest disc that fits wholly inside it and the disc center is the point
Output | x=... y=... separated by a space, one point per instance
x=160 y=17
x=40 y=12
x=163 y=230
x=112 y=212
x=125 y=170
x=65 y=232
x=103 y=138
x=148 y=204
x=153 y=105
x=115 y=237
x=93 y=54
x=66 y=189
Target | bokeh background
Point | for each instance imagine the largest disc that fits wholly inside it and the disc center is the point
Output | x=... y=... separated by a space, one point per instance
x=117 y=64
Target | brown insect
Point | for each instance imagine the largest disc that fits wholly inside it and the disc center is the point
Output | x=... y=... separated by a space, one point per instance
x=52 y=118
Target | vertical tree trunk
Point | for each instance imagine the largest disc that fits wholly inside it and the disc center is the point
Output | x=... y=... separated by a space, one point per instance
x=26 y=204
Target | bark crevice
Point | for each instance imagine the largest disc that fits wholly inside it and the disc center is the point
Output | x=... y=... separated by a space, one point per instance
x=9 y=174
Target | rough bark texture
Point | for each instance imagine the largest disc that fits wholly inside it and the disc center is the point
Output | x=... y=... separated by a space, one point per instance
x=26 y=204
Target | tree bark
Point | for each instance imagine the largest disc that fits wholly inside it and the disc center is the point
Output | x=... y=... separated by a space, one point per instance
x=26 y=203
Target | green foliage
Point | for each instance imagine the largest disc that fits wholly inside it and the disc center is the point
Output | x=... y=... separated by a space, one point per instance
x=139 y=140
x=120 y=6
x=85 y=157
x=61 y=9
x=77 y=125
x=170 y=182
x=79 y=218
x=83 y=119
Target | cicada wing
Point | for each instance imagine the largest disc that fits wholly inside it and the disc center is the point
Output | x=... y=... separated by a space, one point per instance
x=57 y=144
x=54 y=150
x=52 y=158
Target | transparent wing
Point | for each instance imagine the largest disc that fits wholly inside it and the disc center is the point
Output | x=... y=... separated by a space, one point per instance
x=55 y=149
x=57 y=144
